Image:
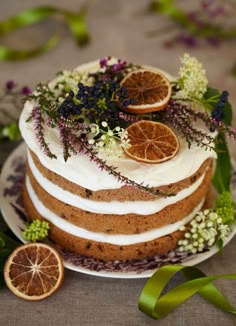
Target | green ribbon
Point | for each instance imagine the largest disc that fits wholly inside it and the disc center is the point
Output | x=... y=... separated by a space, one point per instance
x=28 y=17
x=156 y=306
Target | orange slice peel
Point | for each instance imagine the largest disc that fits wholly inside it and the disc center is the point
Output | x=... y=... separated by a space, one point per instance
x=150 y=90
x=34 y=271
x=151 y=142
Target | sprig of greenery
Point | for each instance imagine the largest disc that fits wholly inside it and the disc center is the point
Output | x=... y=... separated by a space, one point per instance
x=47 y=100
x=36 y=231
x=224 y=207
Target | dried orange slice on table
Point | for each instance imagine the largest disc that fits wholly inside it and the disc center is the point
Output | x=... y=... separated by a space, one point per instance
x=34 y=271
x=149 y=89
x=151 y=142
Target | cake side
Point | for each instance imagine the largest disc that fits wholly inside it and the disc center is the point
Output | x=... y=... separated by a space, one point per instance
x=165 y=212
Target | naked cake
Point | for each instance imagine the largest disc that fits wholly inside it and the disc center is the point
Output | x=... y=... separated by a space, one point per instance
x=117 y=162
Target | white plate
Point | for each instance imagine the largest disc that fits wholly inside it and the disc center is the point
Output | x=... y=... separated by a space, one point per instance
x=13 y=212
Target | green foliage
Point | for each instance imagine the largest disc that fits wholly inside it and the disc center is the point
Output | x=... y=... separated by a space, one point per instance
x=223 y=170
x=10 y=131
x=210 y=98
x=36 y=231
x=227 y=114
x=7 y=245
x=225 y=208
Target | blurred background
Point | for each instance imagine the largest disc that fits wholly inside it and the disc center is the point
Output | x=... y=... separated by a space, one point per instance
x=128 y=30
x=152 y=32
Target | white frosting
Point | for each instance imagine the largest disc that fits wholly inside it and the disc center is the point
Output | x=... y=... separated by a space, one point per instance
x=112 y=207
x=80 y=170
x=117 y=239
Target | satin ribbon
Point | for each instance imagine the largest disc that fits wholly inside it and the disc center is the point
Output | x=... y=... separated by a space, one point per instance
x=156 y=306
x=28 y=17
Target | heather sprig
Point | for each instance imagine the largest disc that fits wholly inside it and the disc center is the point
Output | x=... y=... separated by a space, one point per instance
x=38 y=121
x=112 y=70
x=47 y=100
x=93 y=154
x=183 y=119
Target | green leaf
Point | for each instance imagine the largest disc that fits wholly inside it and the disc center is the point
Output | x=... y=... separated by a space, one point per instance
x=8 y=245
x=223 y=171
x=9 y=242
x=219 y=244
x=2 y=243
x=227 y=114
x=211 y=92
x=11 y=131
x=211 y=97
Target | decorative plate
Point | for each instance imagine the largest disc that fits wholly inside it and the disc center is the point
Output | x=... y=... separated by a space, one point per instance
x=12 y=178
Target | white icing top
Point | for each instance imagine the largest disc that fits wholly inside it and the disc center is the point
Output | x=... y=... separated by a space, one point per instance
x=80 y=170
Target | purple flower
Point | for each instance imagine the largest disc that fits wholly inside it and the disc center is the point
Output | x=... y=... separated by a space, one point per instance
x=10 y=84
x=25 y=90
x=188 y=40
x=213 y=41
x=119 y=65
x=116 y=67
x=103 y=63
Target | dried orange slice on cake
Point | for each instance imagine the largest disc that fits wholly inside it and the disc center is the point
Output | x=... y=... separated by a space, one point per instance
x=149 y=89
x=151 y=142
x=34 y=271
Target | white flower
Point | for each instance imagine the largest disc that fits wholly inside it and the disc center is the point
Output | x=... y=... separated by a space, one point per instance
x=104 y=124
x=107 y=141
x=192 y=82
x=204 y=230
x=70 y=79
x=224 y=231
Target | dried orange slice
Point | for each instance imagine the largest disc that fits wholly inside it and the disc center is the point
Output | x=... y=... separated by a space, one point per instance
x=34 y=271
x=151 y=142
x=149 y=89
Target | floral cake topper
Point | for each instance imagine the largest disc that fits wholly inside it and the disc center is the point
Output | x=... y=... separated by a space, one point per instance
x=98 y=113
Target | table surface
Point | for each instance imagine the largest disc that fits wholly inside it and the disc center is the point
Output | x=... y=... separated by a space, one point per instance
x=118 y=28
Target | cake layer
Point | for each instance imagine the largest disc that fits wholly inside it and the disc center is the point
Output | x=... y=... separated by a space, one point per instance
x=128 y=223
x=100 y=250
x=111 y=207
x=125 y=193
x=117 y=239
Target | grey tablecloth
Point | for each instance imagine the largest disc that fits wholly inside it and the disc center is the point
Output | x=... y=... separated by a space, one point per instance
x=118 y=28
